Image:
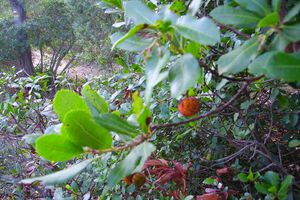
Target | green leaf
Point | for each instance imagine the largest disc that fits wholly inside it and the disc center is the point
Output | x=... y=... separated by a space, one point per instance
x=114 y=3
x=54 y=147
x=272 y=178
x=134 y=43
x=67 y=100
x=279 y=42
x=193 y=48
x=140 y=13
x=272 y=189
x=284 y=188
x=270 y=19
x=184 y=74
x=233 y=16
x=82 y=130
x=276 y=4
x=210 y=181
x=283 y=66
x=203 y=31
x=60 y=176
x=133 y=163
x=153 y=68
x=177 y=6
x=129 y=34
x=243 y=177
x=95 y=100
x=142 y=113
x=260 y=7
x=237 y=60
x=291 y=32
x=292 y=13
x=167 y=15
x=259 y=65
x=261 y=188
x=294 y=143
x=114 y=123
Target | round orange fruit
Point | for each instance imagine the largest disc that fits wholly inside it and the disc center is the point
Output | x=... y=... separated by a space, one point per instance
x=128 y=179
x=138 y=179
x=189 y=106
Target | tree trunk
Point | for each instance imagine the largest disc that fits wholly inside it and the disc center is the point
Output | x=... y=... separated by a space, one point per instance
x=25 y=59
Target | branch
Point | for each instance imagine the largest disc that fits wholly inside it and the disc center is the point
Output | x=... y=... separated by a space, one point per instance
x=140 y=140
x=244 y=35
x=223 y=26
x=216 y=74
x=212 y=112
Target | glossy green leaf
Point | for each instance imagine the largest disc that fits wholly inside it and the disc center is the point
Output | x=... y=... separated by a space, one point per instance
x=67 y=100
x=133 y=162
x=272 y=178
x=153 y=68
x=291 y=32
x=292 y=13
x=260 y=7
x=284 y=187
x=82 y=130
x=237 y=60
x=94 y=99
x=259 y=65
x=233 y=16
x=184 y=74
x=269 y=20
x=60 y=176
x=129 y=34
x=114 y=123
x=55 y=147
x=140 y=13
x=142 y=113
x=294 y=143
x=203 y=31
x=134 y=43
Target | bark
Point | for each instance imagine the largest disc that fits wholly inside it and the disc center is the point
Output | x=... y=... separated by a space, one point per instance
x=25 y=59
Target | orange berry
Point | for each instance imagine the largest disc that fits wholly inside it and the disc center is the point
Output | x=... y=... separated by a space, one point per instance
x=189 y=106
x=138 y=179
x=128 y=179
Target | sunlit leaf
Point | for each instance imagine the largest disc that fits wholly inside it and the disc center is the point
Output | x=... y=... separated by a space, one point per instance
x=67 y=100
x=55 y=147
x=82 y=130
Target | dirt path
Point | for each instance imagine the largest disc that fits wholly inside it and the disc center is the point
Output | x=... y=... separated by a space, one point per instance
x=82 y=71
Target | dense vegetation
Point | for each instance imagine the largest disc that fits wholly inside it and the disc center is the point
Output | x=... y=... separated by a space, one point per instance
x=198 y=99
